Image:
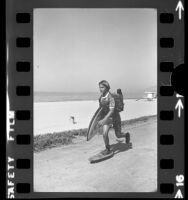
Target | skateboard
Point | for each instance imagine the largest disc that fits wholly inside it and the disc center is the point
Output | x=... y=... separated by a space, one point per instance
x=100 y=157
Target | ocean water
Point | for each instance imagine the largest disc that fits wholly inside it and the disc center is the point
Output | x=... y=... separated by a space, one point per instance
x=76 y=96
x=52 y=117
x=64 y=96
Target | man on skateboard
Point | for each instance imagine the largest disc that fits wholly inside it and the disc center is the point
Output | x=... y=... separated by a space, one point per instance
x=111 y=106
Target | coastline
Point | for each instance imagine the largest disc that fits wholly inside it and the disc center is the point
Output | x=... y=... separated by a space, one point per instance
x=77 y=96
x=56 y=139
x=75 y=100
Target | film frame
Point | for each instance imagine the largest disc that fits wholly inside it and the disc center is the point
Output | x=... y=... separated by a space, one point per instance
x=170 y=140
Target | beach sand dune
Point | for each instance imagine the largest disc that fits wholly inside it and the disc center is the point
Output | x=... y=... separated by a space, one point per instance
x=67 y=169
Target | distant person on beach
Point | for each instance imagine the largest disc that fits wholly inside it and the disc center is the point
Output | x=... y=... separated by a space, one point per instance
x=110 y=115
x=73 y=119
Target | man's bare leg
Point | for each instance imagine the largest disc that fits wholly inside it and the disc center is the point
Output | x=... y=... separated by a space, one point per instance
x=106 y=138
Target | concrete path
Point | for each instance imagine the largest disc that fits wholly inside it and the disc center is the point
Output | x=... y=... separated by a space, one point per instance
x=67 y=169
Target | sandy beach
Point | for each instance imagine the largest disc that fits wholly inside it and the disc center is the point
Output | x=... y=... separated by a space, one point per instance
x=67 y=169
x=52 y=117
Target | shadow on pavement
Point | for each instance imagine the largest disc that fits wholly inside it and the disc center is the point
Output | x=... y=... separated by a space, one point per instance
x=120 y=147
x=116 y=148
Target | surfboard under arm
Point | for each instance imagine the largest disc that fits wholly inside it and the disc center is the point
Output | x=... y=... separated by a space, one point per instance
x=93 y=124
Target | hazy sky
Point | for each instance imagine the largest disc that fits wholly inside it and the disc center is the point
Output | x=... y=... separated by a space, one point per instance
x=74 y=49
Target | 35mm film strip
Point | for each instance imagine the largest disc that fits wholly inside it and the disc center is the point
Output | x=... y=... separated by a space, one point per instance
x=20 y=98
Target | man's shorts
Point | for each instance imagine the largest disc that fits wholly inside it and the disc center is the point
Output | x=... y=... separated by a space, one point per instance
x=115 y=120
